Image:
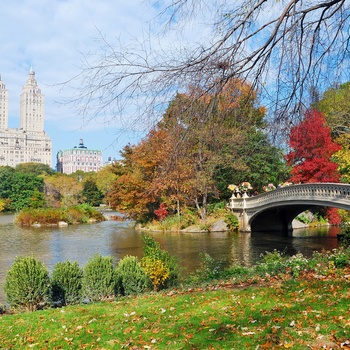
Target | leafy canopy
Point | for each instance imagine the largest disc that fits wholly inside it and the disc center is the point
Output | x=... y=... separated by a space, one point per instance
x=312 y=149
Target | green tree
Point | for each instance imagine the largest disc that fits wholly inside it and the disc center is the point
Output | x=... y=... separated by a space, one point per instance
x=26 y=191
x=6 y=178
x=265 y=162
x=91 y=194
x=34 y=168
x=335 y=104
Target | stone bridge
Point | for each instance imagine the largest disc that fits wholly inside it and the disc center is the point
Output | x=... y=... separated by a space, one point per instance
x=275 y=210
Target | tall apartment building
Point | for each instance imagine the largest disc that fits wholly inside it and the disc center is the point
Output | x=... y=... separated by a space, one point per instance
x=29 y=142
x=79 y=158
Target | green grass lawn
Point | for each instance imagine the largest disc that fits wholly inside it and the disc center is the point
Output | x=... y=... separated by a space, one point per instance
x=306 y=313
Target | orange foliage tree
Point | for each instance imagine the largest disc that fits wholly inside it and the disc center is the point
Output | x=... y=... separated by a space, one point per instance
x=199 y=144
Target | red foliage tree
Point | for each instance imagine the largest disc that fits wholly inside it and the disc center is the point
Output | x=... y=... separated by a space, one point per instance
x=162 y=212
x=311 y=151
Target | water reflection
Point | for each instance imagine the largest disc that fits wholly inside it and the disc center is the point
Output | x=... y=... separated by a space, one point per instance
x=109 y=238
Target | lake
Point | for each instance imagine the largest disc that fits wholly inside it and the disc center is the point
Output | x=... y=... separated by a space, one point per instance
x=118 y=239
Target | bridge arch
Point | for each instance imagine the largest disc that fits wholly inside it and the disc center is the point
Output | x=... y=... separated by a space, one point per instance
x=275 y=210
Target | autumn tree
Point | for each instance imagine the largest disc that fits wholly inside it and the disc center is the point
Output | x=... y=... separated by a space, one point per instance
x=105 y=178
x=195 y=151
x=210 y=129
x=134 y=192
x=312 y=149
x=62 y=190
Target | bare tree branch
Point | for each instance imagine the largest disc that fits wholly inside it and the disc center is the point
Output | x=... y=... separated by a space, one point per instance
x=283 y=48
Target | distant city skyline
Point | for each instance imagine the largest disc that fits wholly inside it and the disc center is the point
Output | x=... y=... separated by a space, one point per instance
x=55 y=37
x=110 y=142
x=28 y=142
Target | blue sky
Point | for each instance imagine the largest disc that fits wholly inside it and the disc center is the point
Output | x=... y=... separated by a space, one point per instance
x=51 y=37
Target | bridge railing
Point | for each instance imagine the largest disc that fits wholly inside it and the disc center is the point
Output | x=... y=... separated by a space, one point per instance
x=319 y=191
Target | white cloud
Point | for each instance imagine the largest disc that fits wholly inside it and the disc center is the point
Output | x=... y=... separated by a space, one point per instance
x=53 y=37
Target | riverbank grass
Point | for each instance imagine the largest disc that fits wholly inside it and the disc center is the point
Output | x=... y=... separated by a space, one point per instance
x=294 y=314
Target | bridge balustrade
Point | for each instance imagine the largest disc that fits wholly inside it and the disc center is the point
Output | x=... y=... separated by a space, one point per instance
x=312 y=191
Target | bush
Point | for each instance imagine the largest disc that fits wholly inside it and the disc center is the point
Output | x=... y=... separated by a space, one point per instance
x=237 y=272
x=168 y=264
x=47 y=216
x=99 y=280
x=231 y=221
x=345 y=240
x=73 y=215
x=340 y=258
x=51 y=216
x=131 y=277
x=344 y=235
x=216 y=209
x=272 y=263
x=157 y=271
x=66 y=283
x=89 y=212
x=27 y=284
x=297 y=263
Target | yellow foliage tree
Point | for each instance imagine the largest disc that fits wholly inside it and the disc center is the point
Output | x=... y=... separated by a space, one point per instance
x=157 y=271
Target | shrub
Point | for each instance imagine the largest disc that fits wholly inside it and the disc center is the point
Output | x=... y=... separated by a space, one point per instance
x=157 y=270
x=216 y=209
x=49 y=216
x=45 y=216
x=210 y=268
x=73 y=215
x=339 y=257
x=162 y=212
x=66 y=283
x=90 y=212
x=231 y=221
x=345 y=235
x=131 y=277
x=272 y=263
x=297 y=263
x=303 y=218
x=237 y=272
x=345 y=239
x=27 y=284
x=169 y=266
x=99 y=278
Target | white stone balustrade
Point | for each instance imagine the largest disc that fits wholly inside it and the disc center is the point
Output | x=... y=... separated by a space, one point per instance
x=312 y=194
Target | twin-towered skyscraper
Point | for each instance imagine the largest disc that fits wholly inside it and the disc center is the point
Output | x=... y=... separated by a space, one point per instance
x=29 y=142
